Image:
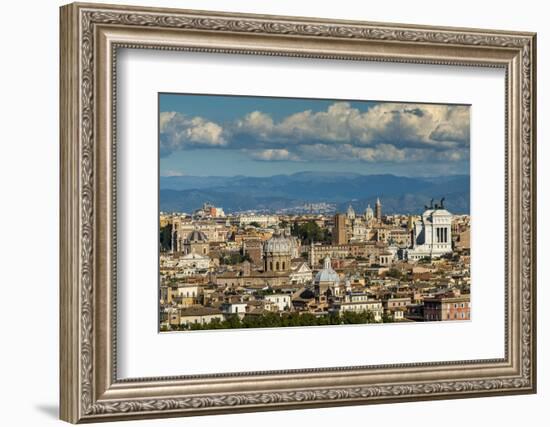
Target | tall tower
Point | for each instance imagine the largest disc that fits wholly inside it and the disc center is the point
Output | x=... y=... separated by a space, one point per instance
x=339 y=231
x=312 y=255
x=173 y=238
x=378 y=210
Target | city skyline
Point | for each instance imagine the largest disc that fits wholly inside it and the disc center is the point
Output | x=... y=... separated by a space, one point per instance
x=246 y=270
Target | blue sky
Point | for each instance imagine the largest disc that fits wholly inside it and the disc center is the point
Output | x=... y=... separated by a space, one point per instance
x=205 y=135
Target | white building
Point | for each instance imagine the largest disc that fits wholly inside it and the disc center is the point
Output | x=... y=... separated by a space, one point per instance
x=194 y=261
x=238 y=308
x=373 y=306
x=356 y=297
x=189 y=290
x=431 y=235
x=192 y=264
x=263 y=220
x=301 y=273
x=360 y=231
x=281 y=301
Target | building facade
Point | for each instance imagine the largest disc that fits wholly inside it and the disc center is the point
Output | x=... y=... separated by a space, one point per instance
x=447 y=308
x=431 y=235
x=339 y=234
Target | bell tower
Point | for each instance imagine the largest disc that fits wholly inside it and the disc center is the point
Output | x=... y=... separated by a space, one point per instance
x=378 y=210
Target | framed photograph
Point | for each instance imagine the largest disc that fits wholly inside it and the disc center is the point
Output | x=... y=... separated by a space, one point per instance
x=266 y=212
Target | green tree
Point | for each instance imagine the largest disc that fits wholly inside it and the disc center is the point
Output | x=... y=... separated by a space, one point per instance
x=215 y=324
x=352 y=317
x=387 y=318
x=233 y=322
x=276 y=320
x=250 y=322
x=234 y=258
x=308 y=232
x=165 y=237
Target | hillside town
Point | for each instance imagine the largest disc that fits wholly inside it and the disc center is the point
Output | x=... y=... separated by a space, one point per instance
x=249 y=270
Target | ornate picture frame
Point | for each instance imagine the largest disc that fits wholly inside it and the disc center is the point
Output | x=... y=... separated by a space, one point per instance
x=90 y=37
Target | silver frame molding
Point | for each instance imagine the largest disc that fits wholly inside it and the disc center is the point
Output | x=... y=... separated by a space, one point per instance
x=90 y=37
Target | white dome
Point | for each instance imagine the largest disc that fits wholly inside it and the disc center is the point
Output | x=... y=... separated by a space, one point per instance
x=327 y=274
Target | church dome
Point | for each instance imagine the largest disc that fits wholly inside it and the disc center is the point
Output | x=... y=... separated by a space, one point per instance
x=327 y=274
x=278 y=244
x=197 y=236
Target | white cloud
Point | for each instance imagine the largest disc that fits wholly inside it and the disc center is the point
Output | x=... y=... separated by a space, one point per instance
x=202 y=131
x=398 y=124
x=178 y=130
x=165 y=118
x=390 y=132
x=257 y=123
x=272 y=154
x=455 y=126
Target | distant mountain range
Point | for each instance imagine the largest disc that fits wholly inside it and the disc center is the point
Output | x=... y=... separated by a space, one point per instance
x=398 y=194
